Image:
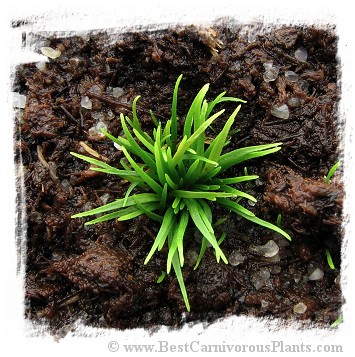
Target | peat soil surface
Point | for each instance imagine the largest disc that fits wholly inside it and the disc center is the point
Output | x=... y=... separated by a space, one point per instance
x=96 y=273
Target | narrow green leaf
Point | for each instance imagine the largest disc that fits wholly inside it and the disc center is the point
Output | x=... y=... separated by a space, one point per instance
x=123 y=214
x=233 y=180
x=202 y=252
x=201 y=194
x=253 y=218
x=143 y=139
x=209 y=175
x=329 y=259
x=207 y=209
x=155 y=120
x=176 y=202
x=130 y=213
x=186 y=142
x=199 y=157
x=128 y=192
x=143 y=198
x=331 y=172
x=212 y=104
x=196 y=213
x=96 y=162
x=160 y=163
x=177 y=239
x=150 y=182
x=163 y=197
x=337 y=322
x=192 y=173
x=124 y=174
x=178 y=273
x=161 y=277
x=199 y=119
x=174 y=126
x=234 y=206
x=238 y=193
x=165 y=228
x=145 y=209
x=250 y=152
x=194 y=108
x=170 y=182
x=206 y=187
x=137 y=150
x=134 y=113
x=215 y=149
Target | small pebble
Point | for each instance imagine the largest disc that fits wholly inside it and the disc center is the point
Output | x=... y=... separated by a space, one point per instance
x=50 y=52
x=294 y=102
x=280 y=111
x=101 y=125
x=268 y=250
x=191 y=257
x=300 y=308
x=297 y=276
x=95 y=89
x=235 y=67
x=66 y=186
x=97 y=116
x=95 y=131
x=317 y=274
x=18 y=100
x=301 y=54
x=270 y=74
x=304 y=85
x=236 y=258
x=260 y=277
x=74 y=61
x=117 y=92
x=291 y=76
x=105 y=198
x=86 y=102
x=267 y=65
x=251 y=37
x=275 y=269
x=110 y=114
x=41 y=65
x=264 y=304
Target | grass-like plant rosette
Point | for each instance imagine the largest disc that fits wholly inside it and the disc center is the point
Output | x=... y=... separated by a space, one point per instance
x=177 y=175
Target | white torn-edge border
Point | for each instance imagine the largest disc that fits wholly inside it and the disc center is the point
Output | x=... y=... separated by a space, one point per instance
x=18 y=333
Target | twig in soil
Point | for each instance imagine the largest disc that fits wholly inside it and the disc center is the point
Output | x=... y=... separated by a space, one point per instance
x=68 y=300
x=92 y=152
x=278 y=122
x=68 y=114
x=296 y=165
x=116 y=103
x=287 y=138
x=114 y=77
x=48 y=166
x=146 y=230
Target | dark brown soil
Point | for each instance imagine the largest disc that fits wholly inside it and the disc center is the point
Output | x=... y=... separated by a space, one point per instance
x=96 y=273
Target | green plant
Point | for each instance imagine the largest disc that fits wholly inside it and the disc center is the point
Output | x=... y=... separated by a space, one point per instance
x=337 y=322
x=329 y=259
x=177 y=175
x=331 y=172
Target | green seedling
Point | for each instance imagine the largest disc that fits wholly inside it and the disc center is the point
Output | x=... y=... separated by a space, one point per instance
x=279 y=221
x=337 y=322
x=175 y=174
x=329 y=259
x=331 y=172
